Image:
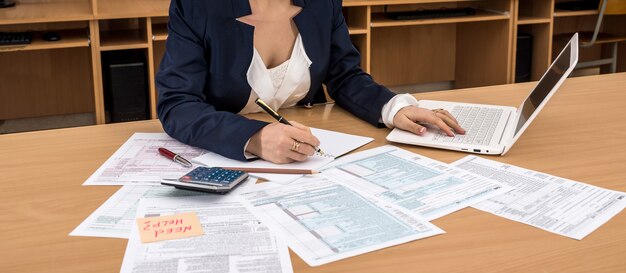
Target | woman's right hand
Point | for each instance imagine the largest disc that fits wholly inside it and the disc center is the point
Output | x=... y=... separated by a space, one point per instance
x=280 y=143
x=408 y=117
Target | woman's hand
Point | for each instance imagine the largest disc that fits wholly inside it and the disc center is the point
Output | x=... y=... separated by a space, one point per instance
x=280 y=143
x=407 y=118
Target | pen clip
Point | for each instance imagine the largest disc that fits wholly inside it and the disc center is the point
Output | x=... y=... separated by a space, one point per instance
x=266 y=107
x=182 y=161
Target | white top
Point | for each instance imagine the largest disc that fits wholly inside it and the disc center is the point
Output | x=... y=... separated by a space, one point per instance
x=286 y=84
x=282 y=86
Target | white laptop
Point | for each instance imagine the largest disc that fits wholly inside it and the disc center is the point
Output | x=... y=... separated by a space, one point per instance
x=492 y=129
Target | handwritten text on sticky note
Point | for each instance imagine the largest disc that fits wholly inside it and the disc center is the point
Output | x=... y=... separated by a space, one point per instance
x=153 y=229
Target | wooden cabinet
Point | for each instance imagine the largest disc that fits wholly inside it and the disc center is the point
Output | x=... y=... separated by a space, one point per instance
x=534 y=18
x=50 y=78
x=47 y=78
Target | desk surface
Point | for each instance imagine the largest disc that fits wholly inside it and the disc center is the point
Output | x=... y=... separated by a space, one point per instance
x=580 y=135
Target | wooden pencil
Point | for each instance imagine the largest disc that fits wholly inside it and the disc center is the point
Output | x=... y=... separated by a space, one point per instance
x=272 y=170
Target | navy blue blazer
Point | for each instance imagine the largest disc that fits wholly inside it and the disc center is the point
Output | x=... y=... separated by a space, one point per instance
x=202 y=81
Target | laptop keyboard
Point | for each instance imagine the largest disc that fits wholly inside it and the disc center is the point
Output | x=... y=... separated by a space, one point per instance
x=479 y=124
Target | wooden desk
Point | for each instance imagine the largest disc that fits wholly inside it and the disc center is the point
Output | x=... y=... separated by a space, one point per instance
x=580 y=135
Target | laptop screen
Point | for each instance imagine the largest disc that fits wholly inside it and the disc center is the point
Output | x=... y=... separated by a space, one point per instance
x=556 y=71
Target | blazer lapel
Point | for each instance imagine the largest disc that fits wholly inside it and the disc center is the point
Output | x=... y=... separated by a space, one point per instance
x=312 y=40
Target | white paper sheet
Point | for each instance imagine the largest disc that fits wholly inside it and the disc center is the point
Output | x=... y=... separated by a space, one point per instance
x=233 y=241
x=332 y=143
x=324 y=221
x=114 y=218
x=422 y=185
x=139 y=162
x=551 y=203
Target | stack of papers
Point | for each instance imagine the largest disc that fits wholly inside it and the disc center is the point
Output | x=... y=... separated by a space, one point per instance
x=322 y=220
x=359 y=203
x=551 y=203
x=138 y=161
x=233 y=241
x=115 y=217
x=366 y=201
x=426 y=187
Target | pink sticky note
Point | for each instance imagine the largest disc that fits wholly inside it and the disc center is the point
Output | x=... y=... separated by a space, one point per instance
x=170 y=227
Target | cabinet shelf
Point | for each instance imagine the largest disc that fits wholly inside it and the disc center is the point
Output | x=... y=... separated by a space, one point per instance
x=119 y=9
x=358 y=3
x=45 y=12
x=355 y=3
x=69 y=38
x=119 y=40
x=357 y=30
x=159 y=32
x=529 y=20
x=569 y=13
x=379 y=19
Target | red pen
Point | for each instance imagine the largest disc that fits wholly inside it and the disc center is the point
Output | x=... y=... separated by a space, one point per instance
x=177 y=158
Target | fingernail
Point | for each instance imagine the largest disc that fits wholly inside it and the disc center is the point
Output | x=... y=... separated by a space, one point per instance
x=422 y=130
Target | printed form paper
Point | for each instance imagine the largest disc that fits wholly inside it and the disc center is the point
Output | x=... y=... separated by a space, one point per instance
x=138 y=161
x=332 y=143
x=115 y=217
x=233 y=241
x=422 y=185
x=324 y=221
x=551 y=203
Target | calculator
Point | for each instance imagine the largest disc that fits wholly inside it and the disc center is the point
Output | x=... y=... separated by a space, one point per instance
x=214 y=179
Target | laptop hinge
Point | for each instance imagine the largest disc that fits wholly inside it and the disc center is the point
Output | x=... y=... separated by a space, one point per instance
x=506 y=128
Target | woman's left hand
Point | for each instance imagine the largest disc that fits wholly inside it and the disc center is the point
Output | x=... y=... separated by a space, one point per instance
x=408 y=117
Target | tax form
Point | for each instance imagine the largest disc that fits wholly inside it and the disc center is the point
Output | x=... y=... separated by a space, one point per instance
x=551 y=203
x=233 y=241
x=422 y=185
x=334 y=144
x=324 y=221
x=115 y=217
x=138 y=161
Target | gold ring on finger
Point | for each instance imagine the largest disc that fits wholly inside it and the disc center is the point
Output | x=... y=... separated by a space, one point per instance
x=296 y=146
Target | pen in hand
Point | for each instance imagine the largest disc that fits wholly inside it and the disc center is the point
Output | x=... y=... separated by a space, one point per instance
x=176 y=158
x=282 y=120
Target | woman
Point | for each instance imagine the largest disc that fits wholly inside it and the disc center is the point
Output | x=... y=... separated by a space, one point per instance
x=222 y=55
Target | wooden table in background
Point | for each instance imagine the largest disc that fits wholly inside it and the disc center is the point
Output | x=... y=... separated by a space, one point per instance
x=580 y=135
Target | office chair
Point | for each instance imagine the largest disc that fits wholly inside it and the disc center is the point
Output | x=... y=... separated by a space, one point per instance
x=589 y=39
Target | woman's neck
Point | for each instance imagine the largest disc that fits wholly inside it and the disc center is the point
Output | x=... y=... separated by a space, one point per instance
x=270 y=5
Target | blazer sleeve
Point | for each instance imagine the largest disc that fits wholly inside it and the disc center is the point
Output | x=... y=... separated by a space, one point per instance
x=347 y=83
x=182 y=107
